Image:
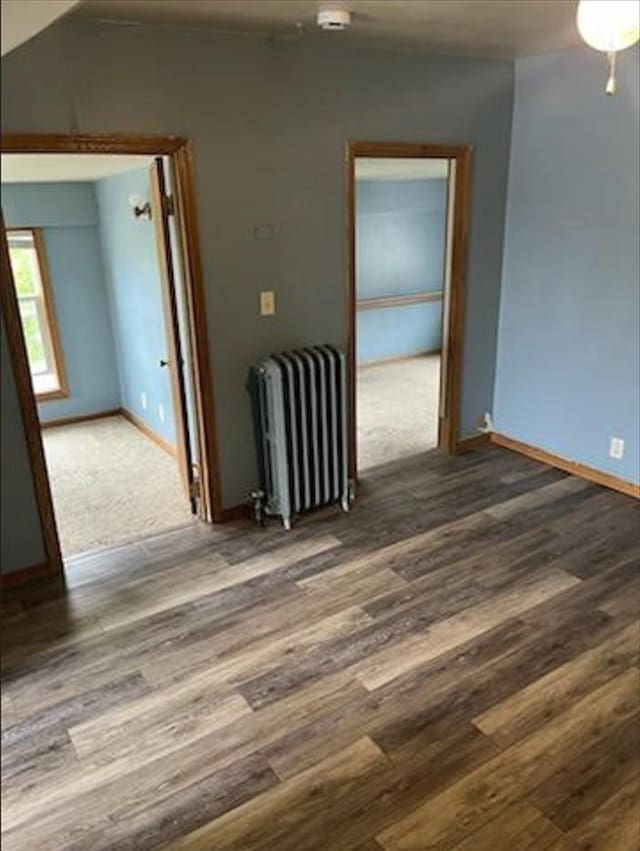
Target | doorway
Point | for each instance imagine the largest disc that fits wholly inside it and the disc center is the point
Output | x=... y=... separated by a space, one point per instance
x=407 y=234
x=104 y=319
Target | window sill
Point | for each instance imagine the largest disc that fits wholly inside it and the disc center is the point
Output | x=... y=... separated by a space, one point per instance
x=52 y=395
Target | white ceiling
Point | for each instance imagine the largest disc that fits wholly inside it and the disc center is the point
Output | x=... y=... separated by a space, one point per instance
x=62 y=168
x=22 y=19
x=372 y=168
x=500 y=28
x=85 y=168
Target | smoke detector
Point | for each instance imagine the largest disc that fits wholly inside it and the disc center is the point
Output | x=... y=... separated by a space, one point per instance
x=334 y=19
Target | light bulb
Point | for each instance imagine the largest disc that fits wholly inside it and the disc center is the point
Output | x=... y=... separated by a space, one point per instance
x=609 y=25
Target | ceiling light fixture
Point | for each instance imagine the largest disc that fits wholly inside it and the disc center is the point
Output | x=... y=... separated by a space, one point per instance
x=334 y=19
x=609 y=26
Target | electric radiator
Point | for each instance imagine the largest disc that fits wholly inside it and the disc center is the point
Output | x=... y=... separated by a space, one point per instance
x=299 y=405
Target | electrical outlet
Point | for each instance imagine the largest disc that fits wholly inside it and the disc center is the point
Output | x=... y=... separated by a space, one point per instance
x=267 y=303
x=161 y=412
x=486 y=423
x=143 y=400
x=616 y=448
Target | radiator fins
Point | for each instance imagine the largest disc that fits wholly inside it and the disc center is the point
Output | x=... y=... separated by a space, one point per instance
x=300 y=417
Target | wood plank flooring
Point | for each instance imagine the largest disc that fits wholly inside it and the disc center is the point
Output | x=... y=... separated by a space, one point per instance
x=453 y=665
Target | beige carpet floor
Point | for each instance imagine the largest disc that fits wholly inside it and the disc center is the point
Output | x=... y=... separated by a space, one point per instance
x=111 y=485
x=397 y=409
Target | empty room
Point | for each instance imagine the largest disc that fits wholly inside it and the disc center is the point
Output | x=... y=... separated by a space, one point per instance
x=320 y=430
x=401 y=244
x=83 y=249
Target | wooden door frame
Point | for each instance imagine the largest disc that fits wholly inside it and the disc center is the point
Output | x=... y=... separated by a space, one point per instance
x=449 y=423
x=178 y=150
x=174 y=360
x=52 y=566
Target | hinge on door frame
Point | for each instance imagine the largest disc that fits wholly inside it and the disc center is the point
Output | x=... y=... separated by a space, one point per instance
x=169 y=205
x=194 y=489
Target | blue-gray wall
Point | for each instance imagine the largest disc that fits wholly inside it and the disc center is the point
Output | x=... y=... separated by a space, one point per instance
x=68 y=216
x=400 y=239
x=268 y=122
x=135 y=297
x=21 y=542
x=568 y=368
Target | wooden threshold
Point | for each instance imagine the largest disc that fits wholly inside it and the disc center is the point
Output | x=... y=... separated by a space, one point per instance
x=466 y=444
x=26 y=574
x=574 y=467
x=148 y=432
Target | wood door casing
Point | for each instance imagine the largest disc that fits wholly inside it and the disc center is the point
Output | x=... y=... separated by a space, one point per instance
x=174 y=360
x=460 y=156
x=178 y=150
x=28 y=408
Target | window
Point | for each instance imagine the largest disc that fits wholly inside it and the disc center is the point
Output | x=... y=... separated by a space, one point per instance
x=28 y=265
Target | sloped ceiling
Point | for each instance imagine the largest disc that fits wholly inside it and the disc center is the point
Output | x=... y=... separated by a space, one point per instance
x=22 y=19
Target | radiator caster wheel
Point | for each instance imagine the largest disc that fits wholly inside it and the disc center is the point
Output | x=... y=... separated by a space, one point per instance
x=346 y=504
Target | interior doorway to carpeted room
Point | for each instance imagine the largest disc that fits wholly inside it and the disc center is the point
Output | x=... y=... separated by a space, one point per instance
x=400 y=234
x=100 y=287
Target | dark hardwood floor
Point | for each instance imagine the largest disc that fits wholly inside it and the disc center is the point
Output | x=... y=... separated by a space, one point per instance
x=453 y=665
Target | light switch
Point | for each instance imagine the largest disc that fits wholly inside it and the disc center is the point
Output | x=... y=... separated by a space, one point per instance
x=616 y=448
x=267 y=303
